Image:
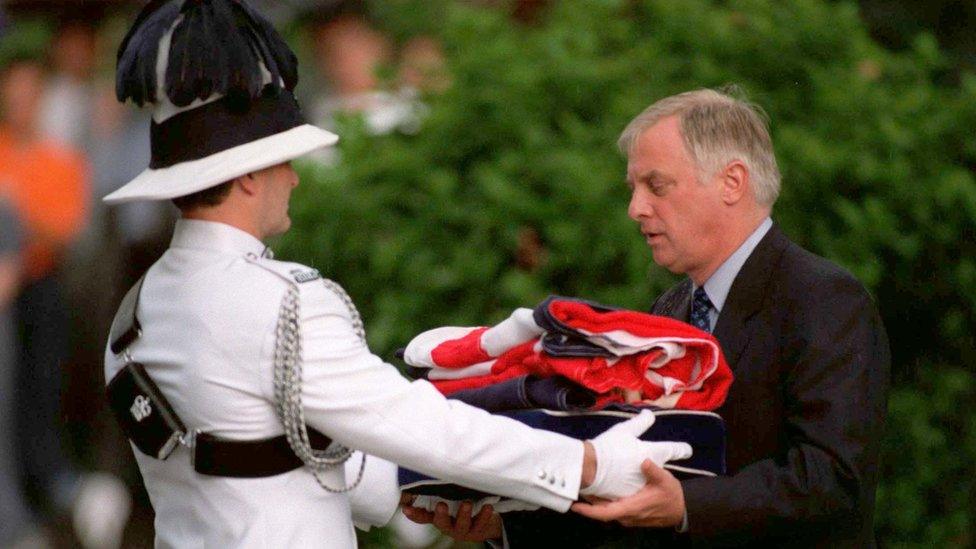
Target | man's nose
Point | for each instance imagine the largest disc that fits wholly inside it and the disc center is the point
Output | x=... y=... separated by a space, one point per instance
x=639 y=206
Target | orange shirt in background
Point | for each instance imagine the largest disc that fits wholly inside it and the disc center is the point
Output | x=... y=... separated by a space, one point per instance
x=48 y=185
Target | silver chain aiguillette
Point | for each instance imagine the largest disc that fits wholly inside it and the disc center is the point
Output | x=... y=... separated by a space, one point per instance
x=288 y=387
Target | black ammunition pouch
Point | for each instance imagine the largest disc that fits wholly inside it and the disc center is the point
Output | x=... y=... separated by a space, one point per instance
x=144 y=414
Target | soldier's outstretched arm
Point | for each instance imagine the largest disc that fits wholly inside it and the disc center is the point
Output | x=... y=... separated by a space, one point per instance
x=361 y=402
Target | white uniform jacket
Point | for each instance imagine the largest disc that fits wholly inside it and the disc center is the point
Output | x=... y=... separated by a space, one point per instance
x=209 y=309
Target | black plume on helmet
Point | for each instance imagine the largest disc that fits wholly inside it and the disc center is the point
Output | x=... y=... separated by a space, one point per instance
x=218 y=46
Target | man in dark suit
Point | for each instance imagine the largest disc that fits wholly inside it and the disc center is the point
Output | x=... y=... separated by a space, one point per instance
x=804 y=340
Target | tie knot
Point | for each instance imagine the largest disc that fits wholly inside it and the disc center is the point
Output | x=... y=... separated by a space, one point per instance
x=700 y=305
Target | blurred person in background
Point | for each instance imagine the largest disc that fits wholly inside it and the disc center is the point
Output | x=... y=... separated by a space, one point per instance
x=69 y=95
x=47 y=185
x=79 y=109
x=67 y=115
x=117 y=244
x=422 y=65
x=349 y=52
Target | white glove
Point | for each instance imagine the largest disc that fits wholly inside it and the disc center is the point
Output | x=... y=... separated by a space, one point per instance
x=619 y=454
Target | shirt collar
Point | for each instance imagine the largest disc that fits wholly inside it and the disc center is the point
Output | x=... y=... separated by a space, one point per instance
x=718 y=285
x=217 y=237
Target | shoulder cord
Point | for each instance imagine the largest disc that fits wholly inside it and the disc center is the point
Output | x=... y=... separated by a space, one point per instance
x=288 y=387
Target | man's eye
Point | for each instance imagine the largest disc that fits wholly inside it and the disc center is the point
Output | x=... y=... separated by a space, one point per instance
x=658 y=189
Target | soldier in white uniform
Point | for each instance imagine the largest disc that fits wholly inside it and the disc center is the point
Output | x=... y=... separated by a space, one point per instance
x=252 y=353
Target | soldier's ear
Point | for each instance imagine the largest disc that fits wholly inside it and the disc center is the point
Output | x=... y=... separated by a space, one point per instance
x=247 y=183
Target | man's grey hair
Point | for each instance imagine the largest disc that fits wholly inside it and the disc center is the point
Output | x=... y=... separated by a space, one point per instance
x=717 y=128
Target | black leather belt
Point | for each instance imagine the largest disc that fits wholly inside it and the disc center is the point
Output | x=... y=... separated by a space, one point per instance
x=249 y=458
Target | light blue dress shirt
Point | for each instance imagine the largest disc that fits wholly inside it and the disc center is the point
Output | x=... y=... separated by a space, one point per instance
x=718 y=285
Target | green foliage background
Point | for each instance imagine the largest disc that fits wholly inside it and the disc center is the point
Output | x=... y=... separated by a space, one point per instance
x=514 y=190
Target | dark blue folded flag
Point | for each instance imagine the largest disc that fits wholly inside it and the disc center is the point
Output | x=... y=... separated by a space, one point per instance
x=704 y=431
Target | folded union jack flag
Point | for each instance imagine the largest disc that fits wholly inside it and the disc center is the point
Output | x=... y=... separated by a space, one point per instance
x=621 y=355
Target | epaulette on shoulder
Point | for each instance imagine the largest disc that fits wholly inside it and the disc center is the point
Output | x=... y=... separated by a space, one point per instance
x=293 y=273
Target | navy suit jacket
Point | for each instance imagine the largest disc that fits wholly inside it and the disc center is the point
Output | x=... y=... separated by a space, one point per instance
x=804 y=415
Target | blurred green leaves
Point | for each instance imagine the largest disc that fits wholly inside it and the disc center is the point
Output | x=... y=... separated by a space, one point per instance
x=26 y=41
x=926 y=498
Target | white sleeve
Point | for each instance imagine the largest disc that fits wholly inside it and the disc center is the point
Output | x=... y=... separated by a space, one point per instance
x=377 y=497
x=354 y=397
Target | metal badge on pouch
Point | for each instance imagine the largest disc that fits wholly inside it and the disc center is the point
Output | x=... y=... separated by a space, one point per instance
x=143 y=412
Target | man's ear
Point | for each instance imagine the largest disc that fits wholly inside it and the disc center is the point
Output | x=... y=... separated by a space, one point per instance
x=735 y=181
x=247 y=183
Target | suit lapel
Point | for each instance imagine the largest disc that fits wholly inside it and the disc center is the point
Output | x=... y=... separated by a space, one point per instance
x=747 y=293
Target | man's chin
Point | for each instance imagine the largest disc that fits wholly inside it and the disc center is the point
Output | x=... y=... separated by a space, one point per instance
x=667 y=261
x=281 y=229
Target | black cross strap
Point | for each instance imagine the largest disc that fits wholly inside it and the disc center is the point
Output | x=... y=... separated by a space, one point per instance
x=125 y=327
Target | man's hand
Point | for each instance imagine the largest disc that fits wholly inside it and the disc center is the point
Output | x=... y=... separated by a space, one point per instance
x=659 y=504
x=486 y=525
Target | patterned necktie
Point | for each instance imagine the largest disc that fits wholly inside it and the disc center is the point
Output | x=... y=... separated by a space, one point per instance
x=700 y=305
